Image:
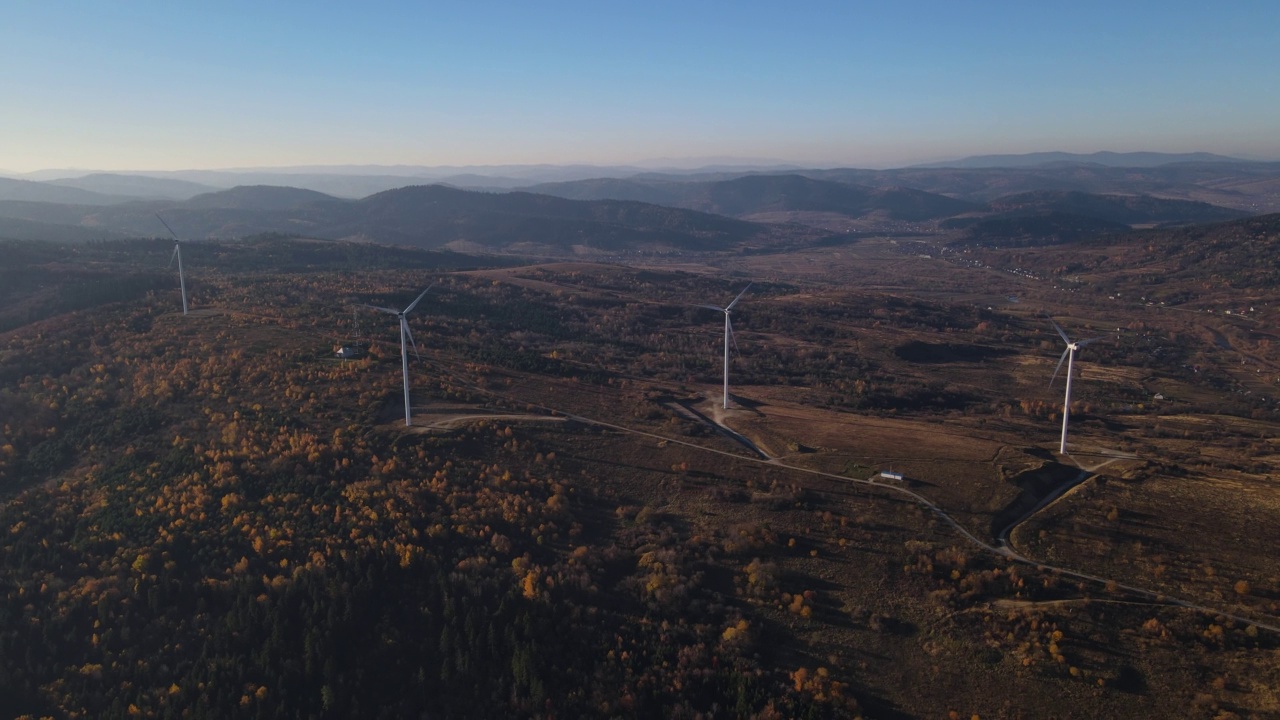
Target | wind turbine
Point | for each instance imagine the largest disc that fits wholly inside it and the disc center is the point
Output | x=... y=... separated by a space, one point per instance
x=728 y=336
x=405 y=332
x=177 y=255
x=1068 y=356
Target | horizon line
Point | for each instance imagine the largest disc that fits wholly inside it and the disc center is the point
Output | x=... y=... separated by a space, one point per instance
x=645 y=165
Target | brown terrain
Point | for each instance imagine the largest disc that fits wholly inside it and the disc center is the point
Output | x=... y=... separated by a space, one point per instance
x=569 y=447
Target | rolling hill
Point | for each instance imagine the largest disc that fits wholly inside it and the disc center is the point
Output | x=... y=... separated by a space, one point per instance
x=1223 y=257
x=1105 y=158
x=1127 y=209
x=658 y=192
x=1240 y=254
x=1048 y=217
x=1057 y=207
x=757 y=194
x=19 y=229
x=135 y=186
x=700 y=215
x=770 y=193
x=1225 y=263
x=435 y=216
x=31 y=191
x=1026 y=229
x=431 y=216
x=257 y=197
x=1251 y=187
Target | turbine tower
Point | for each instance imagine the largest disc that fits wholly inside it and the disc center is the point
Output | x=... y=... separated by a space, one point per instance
x=177 y=255
x=405 y=332
x=1068 y=356
x=728 y=336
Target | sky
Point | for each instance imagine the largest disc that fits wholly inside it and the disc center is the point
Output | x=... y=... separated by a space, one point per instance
x=143 y=85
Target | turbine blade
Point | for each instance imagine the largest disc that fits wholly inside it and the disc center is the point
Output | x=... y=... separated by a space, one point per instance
x=732 y=337
x=412 y=344
x=381 y=309
x=166 y=226
x=717 y=308
x=174 y=256
x=735 y=300
x=414 y=304
x=1082 y=343
x=1060 y=361
x=1061 y=332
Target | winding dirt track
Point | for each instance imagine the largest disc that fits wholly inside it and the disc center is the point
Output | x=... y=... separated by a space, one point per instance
x=1001 y=549
x=450 y=422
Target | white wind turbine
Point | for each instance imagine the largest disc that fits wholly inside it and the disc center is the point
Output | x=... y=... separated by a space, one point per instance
x=1068 y=356
x=728 y=336
x=177 y=255
x=405 y=332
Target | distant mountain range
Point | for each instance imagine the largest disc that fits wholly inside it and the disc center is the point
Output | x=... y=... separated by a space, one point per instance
x=135 y=186
x=353 y=181
x=1104 y=158
x=758 y=194
x=1250 y=186
x=422 y=216
x=27 y=190
x=714 y=209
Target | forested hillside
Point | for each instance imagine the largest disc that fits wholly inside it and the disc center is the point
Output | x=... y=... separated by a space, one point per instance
x=212 y=516
x=424 y=216
x=227 y=529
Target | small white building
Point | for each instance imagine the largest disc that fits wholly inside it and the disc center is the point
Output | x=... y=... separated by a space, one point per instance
x=890 y=475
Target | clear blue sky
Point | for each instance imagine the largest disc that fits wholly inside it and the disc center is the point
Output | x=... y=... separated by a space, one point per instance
x=176 y=85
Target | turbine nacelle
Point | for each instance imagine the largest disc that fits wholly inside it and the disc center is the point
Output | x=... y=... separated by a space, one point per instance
x=1072 y=347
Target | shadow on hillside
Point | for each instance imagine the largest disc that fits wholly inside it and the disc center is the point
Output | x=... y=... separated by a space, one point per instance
x=1038 y=486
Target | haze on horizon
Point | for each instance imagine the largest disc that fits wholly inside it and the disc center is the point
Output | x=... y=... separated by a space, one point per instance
x=168 y=86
